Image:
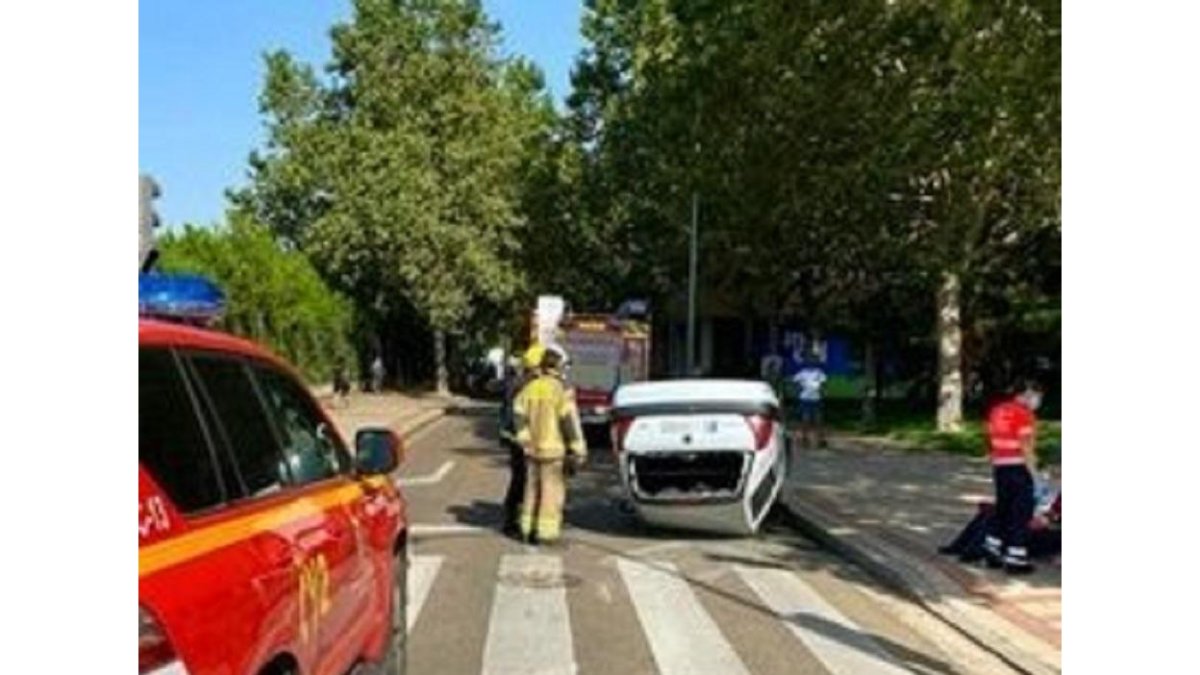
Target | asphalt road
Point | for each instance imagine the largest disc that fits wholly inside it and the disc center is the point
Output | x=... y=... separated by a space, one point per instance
x=621 y=597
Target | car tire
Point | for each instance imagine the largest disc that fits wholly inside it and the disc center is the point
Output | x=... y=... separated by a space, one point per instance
x=396 y=660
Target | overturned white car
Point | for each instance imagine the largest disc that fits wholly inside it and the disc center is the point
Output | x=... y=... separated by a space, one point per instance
x=700 y=454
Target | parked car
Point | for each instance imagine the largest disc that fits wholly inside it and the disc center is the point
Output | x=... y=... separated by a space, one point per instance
x=264 y=546
x=700 y=454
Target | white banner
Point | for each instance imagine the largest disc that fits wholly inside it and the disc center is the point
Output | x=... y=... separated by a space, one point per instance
x=550 y=310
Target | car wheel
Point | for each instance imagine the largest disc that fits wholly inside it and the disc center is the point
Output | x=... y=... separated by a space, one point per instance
x=396 y=662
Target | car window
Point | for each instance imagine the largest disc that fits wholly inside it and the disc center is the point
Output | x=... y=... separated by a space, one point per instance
x=243 y=423
x=171 y=443
x=312 y=451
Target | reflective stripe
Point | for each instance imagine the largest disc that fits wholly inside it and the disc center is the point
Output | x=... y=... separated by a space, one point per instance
x=202 y=540
x=992 y=545
x=1006 y=444
x=549 y=527
x=1019 y=460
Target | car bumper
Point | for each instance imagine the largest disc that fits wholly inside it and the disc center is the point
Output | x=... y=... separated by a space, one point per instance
x=594 y=415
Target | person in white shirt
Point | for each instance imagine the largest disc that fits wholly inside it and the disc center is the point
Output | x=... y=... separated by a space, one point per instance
x=809 y=381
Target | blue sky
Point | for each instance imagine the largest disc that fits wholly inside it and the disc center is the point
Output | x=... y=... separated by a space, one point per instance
x=200 y=70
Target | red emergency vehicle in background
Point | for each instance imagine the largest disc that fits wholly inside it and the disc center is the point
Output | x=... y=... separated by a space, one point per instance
x=264 y=544
x=605 y=351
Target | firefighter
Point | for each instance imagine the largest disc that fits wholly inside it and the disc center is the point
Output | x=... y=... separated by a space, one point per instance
x=531 y=361
x=1011 y=448
x=548 y=429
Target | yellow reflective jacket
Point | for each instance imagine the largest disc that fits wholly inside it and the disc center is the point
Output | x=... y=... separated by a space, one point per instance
x=547 y=421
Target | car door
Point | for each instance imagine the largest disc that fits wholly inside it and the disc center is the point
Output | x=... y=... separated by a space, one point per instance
x=264 y=504
x=320 y=465
x=177 y=482
x=217 y=594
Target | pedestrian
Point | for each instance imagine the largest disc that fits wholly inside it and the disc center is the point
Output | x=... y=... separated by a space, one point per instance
x=1012 y=450
x=548 y=429
x=771 y=372
x=810 y=381
x=1043 y=531
x=341 y=383
x=377 y=373
x=514 y=382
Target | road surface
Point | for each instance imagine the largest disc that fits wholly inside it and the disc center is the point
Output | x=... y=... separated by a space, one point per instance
x=621 y=597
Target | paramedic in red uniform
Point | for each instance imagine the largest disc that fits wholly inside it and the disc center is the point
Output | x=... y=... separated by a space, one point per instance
x=1010 y=430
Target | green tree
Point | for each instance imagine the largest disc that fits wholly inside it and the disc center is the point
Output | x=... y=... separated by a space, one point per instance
x=401 y=176
x=273 y=295
x=850 y=158
x=986 y=182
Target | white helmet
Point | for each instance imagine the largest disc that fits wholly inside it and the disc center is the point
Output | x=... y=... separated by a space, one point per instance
x=564 y=360
x=562 y=353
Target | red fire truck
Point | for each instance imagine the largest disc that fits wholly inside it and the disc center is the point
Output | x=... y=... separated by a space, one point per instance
x=605 y=351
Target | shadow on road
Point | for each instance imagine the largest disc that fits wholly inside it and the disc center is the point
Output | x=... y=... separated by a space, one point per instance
x=859 y=640
x=862 y=641
x=478 y=513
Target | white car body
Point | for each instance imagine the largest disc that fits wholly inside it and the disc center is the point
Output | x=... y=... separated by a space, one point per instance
x=700 y=454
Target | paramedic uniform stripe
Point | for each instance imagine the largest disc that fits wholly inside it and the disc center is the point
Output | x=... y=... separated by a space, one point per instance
x=422 y=572
x=682 y=636
x=831 y=637
x=529 y=631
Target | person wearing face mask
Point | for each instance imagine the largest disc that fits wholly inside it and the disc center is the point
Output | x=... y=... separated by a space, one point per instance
x=1011 y=448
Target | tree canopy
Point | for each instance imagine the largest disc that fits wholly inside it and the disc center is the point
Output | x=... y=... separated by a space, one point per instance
x=400 y=173
x=868 y=166
x=274 y=295
x=885 y=169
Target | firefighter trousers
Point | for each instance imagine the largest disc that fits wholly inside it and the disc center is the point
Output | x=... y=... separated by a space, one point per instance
x=545 y=492
x=1008 y=535
x=516 y=483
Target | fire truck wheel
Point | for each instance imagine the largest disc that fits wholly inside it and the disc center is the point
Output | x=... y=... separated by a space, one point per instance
x=396 y=662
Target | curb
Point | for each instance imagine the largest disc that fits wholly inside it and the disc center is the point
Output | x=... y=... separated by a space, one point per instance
x=895 y=570
x=423 y=420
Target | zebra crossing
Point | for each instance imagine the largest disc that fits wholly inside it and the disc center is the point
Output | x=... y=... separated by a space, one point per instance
x=529 y=626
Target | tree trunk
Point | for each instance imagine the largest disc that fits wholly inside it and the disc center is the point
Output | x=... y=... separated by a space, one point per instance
x=439 y=360
x=880 y=379
x=950 y=382
x=870 y=385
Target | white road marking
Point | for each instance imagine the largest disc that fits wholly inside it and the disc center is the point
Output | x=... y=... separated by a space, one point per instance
x=837 y=641
x=448 y=529
x=603 y=593
x=654 y=549
x=422 y=570
x=682 y=636
x=427 y=479
x=529 y=632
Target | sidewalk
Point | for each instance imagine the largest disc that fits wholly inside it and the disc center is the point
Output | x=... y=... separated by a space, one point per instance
x=405 y=413
x=889 y=510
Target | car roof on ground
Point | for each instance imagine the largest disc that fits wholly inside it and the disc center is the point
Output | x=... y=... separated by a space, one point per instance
x=694 y=391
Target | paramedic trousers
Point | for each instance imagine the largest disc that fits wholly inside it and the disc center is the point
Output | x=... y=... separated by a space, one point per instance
x=545 y=492
x=516 y=484
x=1008 y=537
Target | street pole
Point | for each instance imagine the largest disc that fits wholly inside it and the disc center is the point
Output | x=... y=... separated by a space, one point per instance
x=691 y=324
